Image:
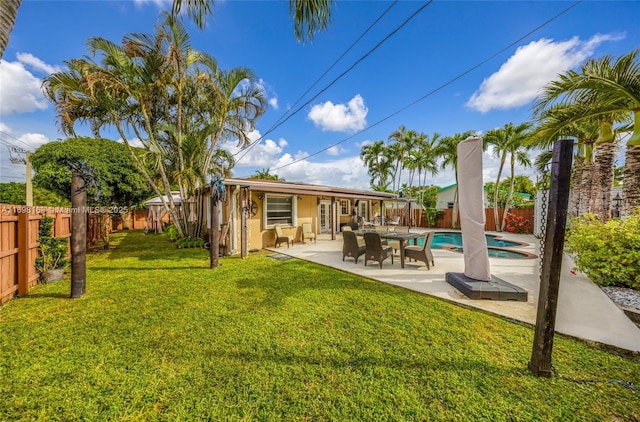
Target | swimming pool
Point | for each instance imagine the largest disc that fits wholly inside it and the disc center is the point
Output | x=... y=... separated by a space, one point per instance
x=497 y=247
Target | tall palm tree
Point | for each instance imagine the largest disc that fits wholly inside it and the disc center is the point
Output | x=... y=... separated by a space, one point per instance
x=8 y=14
x=507 y=141
x=603 y=87
x=174 y=99
x=403 y=142
x=375 y=158
x=447 y=150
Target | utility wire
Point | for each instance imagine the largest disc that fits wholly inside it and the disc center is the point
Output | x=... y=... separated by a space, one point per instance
x=367 y=54
x=13 y=137
x=430 y=93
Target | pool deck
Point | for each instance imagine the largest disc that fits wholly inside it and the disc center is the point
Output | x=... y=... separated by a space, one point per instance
x=584 y=310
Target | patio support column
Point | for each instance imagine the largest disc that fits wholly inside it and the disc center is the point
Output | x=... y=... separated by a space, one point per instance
x=334 y=217
x=540 y=363
x=243 y=223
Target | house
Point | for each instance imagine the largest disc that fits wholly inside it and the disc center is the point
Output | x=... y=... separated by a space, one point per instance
x=252 y=208
x=446 y=197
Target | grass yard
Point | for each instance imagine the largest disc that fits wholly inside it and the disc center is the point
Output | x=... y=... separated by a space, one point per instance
x=160 y=336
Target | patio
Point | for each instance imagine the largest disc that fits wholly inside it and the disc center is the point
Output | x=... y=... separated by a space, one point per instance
x=584 y=310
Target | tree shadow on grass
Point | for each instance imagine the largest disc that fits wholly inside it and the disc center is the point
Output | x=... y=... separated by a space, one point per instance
x=41 y=295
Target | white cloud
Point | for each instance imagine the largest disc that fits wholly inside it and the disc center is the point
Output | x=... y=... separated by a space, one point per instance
x=261 y=154
x=340 y=117
x=336 y=150
x=160 y=3
x=520 y=78
x=20 y=90
x=37 y=64
x=273 y=102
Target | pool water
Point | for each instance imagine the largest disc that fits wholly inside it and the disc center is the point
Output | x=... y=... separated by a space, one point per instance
x=453 y=242
x=455 y=239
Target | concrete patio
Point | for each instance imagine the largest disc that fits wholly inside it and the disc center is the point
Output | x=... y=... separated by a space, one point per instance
x=584 y=310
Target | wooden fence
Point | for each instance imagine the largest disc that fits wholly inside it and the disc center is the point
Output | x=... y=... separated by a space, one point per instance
x=19 y=230
x=19 y=227
x=444 y=221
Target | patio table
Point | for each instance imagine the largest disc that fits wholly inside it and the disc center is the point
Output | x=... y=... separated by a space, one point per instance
x=400 y=237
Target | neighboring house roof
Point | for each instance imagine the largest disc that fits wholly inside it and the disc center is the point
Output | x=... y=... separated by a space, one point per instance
x=277 y=186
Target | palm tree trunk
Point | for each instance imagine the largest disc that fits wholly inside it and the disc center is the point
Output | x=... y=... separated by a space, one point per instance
x=631 y=185
x=8 y=14
x=574 y=196
x=585 y=189
x=603 y=179
x=496 y=191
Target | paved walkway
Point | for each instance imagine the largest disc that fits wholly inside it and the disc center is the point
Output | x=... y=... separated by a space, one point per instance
x=584 y=310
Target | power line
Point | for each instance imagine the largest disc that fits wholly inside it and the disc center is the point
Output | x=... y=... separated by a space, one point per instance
x=13 y=137
x=428 y=94
x=350 y=68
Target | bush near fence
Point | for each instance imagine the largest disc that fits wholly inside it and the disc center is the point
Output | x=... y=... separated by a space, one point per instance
x=19 y=227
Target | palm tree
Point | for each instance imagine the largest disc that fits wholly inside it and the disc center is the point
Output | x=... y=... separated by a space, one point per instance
x=375 y=158
x=174 y=99
x=603 y=87
x=508 y=141
x=447 y=149
x=265 y=174
x=8 y=13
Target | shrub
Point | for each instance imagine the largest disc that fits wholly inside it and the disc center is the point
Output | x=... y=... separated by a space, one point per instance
x=171 y=232
x=516 y=224
x=608 y=253
x=53 y=250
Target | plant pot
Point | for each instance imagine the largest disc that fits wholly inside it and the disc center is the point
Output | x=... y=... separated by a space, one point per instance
x=53 y=275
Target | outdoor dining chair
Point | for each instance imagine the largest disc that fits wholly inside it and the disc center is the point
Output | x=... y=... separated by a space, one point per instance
x=422 y=253
x=351 y=248
x=395 y=244
x=308 y=233
x=375 y=251
x=281 y=237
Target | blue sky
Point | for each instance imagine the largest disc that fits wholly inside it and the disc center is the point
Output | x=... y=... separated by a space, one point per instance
x=443 y=41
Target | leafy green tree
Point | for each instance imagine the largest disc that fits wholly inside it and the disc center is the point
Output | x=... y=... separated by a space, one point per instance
x=15 y=193
x=376 y=159
x=120 y=180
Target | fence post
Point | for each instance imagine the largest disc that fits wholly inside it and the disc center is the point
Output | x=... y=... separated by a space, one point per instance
x=23 y=253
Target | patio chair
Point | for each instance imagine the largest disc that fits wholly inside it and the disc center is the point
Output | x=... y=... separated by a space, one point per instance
x=281 y=238
x=395 y=221
x=375 y=251
x=395 y=244
x=422 y=253
x=350 y=247
x=308 y=233
x=382 y=229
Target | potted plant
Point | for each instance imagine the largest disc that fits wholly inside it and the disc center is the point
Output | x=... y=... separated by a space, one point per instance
x=53 y=252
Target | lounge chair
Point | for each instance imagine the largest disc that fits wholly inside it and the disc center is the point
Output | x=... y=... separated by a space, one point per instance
x=350 y=247
x=422 y=253
x=281 y=238
x=375 y=251
x=308 y=233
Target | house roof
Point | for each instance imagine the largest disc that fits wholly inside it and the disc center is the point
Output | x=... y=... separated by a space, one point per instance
x=277 y=186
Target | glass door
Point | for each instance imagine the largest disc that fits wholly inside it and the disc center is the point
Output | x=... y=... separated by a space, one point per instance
x=324 y=216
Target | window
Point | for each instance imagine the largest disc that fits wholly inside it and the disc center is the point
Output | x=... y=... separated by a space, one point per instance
x=280 y=209
x=345 y=206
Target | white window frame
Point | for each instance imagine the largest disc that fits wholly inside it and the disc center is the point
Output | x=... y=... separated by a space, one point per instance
x=345 y=207
x=265 y=211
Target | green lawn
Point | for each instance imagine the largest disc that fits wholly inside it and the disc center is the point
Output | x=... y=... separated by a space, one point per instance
x=160 y=336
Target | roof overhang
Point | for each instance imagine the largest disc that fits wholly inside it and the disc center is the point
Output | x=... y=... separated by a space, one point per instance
x=270 y=186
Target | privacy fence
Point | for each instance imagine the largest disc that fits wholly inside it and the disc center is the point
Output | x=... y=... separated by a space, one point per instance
x=19 y=230
x=444 y=218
